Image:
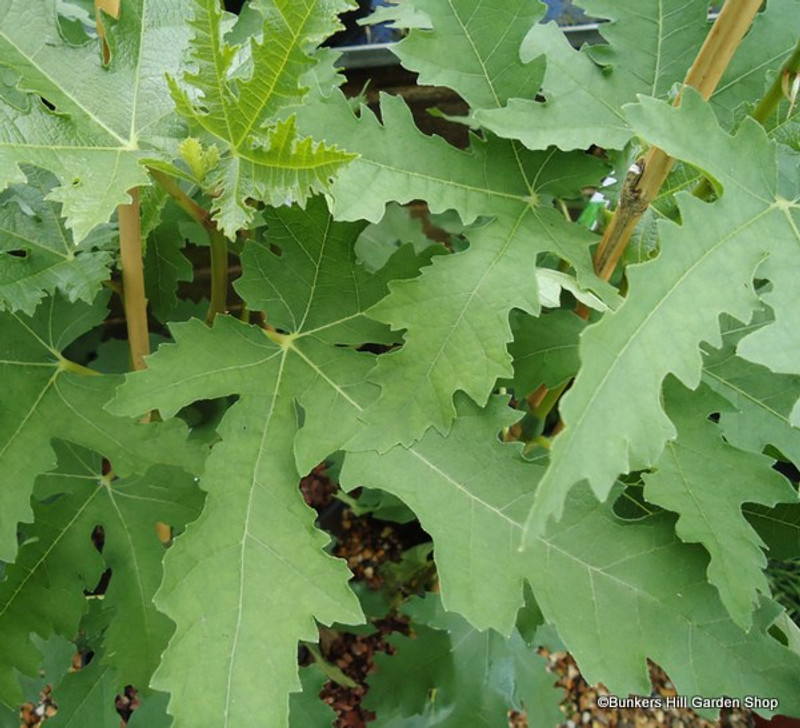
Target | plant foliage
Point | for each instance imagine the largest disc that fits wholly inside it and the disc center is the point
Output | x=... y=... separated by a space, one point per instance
x=615 y=461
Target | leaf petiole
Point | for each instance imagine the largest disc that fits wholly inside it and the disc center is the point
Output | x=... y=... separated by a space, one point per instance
x=65 y=365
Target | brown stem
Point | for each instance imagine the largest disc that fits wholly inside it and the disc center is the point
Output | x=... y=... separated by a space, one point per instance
x=130 y=243
x=135 y=302
x=111 y=8
x=640 y=189
x=535 y=398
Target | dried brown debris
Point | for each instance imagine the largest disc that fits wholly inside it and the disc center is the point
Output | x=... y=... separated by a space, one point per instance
x=580 y=703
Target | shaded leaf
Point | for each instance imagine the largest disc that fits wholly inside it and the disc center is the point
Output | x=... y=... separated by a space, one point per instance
x=86 y=698
x=451 y=674
x=762 y=400
x=705 y=481
x=53 y=402
x=165 y=265
x=58 y=561
x=305 y=708
x=545 y=350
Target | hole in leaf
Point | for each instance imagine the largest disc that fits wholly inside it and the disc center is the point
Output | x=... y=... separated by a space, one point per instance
x=778 y=635
x=47 y=104
x=99 y=538
x=102 y=585
x=128 y=702
x=18 y=253
x=377 y=348
x=786 y=468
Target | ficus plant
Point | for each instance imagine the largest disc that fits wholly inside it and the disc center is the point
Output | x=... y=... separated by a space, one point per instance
x=589 y=396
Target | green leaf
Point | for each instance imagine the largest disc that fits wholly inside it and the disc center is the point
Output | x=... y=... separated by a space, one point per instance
x=256 y=531
x=255 y=534
x=451 y=673
x=305 y=708
x=705 y=481
x=86 y=699
x=485 y=282
x=418 y=381
x=491 y=177
x=763 y=400
x=545 y=350
x=496 y=274
x=51 y=401
x=779 y=527
x=636 y=576
x=379 y=240
x=777 y=345
x=57 y=655
x=647 y=581
x=58 y=561
x=429 y=477
x=165 y=265
x=482 y=41
x=107 y=119
x=705 y=269
x=37 y=254
x=764 y=50
x=651 y=43
x=152 y=713
x=262 y=157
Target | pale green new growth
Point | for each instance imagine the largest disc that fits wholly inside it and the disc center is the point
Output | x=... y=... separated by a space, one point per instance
x=262 y=156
